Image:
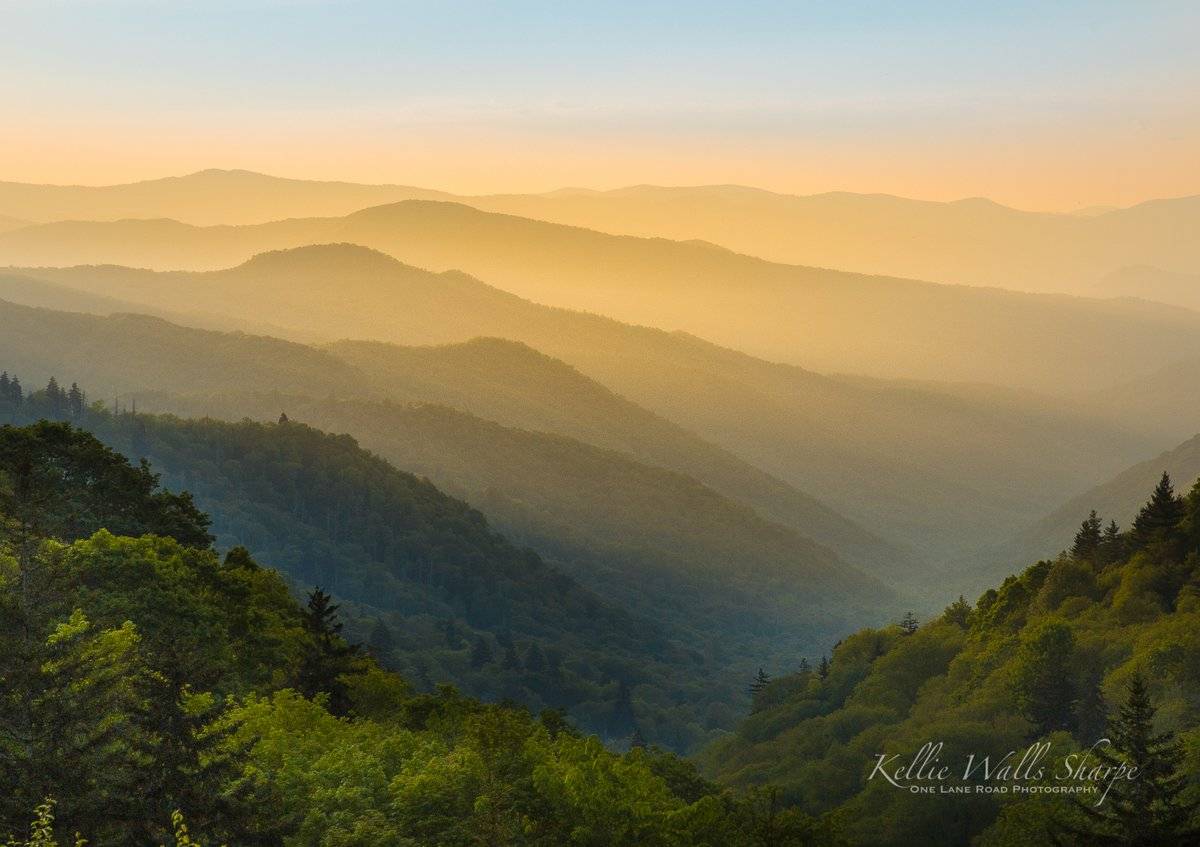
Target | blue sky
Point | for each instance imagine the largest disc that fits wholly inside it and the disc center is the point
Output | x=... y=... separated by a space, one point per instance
x=512 y=96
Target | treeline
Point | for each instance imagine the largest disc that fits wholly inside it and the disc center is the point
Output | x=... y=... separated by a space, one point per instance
x=144 y=675
x=1101 y=642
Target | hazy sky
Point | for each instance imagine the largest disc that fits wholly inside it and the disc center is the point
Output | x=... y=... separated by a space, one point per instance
x=1040 y=105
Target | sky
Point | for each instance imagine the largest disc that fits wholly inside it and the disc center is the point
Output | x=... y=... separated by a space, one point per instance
x=1051 y=106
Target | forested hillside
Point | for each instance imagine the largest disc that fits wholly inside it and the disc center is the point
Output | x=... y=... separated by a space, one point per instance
x=154 y=691
x=1073 y=649
x=445 y=598
x=650 y=541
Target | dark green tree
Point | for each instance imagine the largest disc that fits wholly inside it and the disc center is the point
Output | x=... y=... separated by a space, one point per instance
x=823 y=668
x=909 y=623
x=1147 y=810
x=1112 y=545
x=1160 y=517
x=1088 y=539
x=328 y=657
x=1043 y=687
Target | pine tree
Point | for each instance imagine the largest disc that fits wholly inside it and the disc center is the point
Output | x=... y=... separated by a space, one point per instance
x=1160 y=517
x=1112 y=544
x=761 y=680
x=823 y=668
x=637 y=741
x=909 y=623
x=75 y=402
x=804 y=668
x=328 y=658
x=1088 y=539
x=1147 y=810
x=481 y=653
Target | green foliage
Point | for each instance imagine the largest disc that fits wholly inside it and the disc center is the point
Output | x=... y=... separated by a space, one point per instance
x=1038 y=657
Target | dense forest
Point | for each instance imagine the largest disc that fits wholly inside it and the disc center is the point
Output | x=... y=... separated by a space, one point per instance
x=335 y=708
x=1103 y=641
x=155 y=691
x=425 y=581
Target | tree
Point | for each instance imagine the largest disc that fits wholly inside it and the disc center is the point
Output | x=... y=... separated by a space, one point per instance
x=823 y=668
x=1088 y=539
x=1112 y=544
x=1147 y=810
x=1161 y=515
x=481 y=653
x=760 y=682
x=76 y=402
x=958 y=612
x=1043 y=687
x=909 y=623
x=328 y=658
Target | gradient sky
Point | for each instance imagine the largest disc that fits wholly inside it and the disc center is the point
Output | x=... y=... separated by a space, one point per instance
x=1038 y=105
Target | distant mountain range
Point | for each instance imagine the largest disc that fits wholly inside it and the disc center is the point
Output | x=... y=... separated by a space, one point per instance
x=820 y=319
x=938 y=469
x=972 y=241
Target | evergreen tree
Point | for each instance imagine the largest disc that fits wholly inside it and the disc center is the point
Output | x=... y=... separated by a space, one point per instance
x=1160 y=517
x=804 y=668
x=481 y=653
x=1112 y=544
x=637 y=741
x=823 y=668
x=328 y=658
x=56 y=400
x=760 y=682
x=1147 y=810
x=1088 y=539
x=909 y=623
x=76 y=402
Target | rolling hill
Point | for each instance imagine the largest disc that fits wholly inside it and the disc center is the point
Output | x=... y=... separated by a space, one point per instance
x=940 y=469
x=971 y=241
x=822 y=319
